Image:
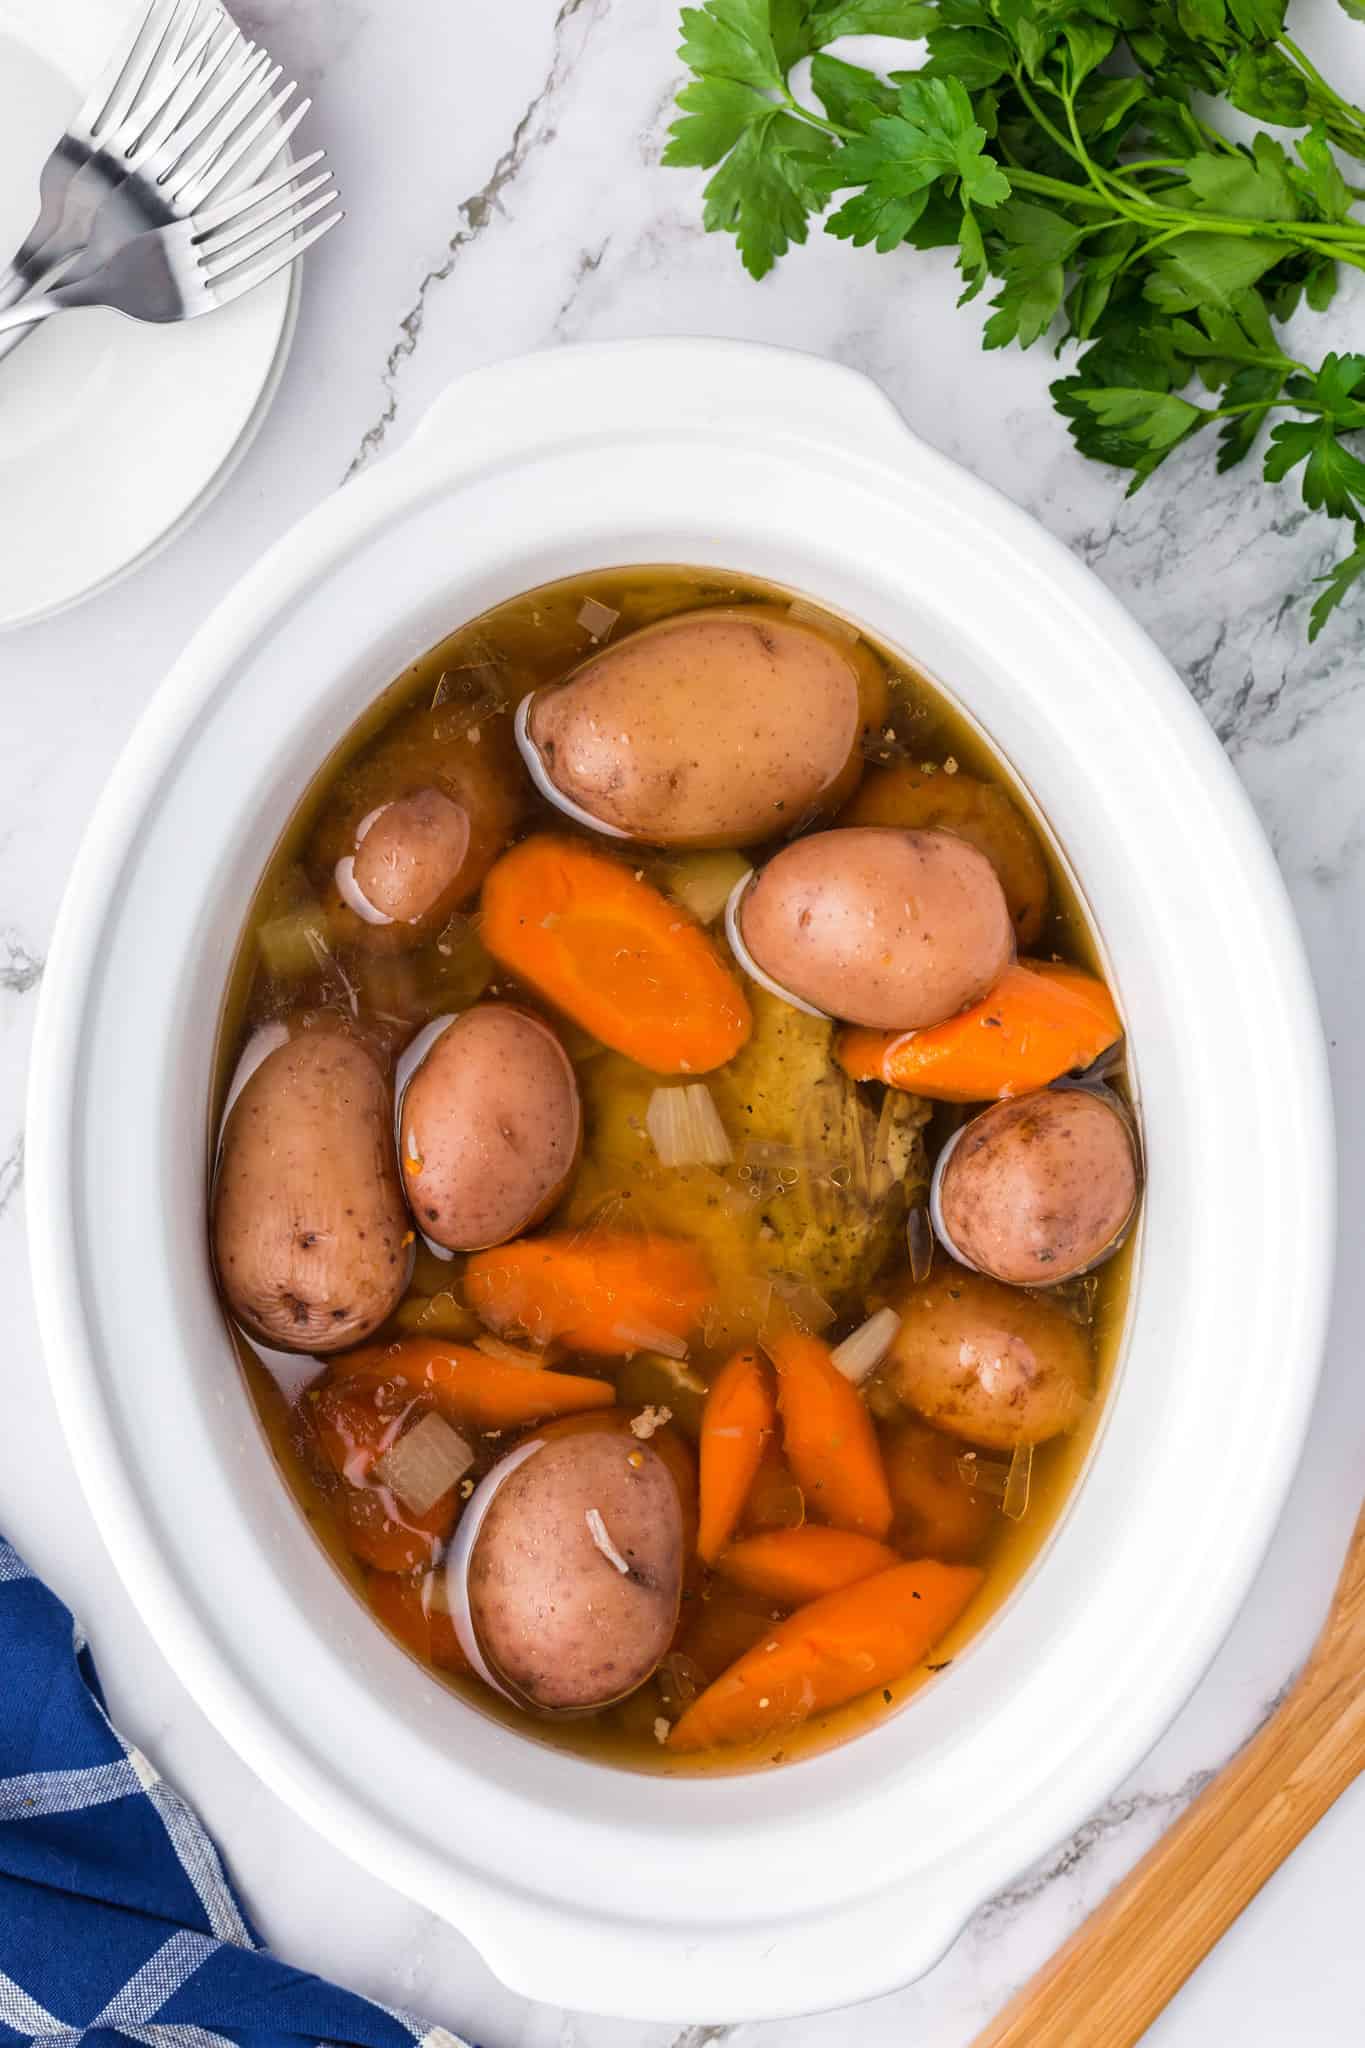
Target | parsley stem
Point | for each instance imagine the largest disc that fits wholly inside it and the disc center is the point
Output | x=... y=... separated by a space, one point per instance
x=1347 y=122
x=794 y=106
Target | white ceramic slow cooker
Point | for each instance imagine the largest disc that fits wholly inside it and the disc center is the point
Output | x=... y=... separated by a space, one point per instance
x=847 y=1874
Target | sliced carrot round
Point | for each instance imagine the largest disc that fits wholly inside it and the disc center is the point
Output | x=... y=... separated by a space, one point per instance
x=621 y=959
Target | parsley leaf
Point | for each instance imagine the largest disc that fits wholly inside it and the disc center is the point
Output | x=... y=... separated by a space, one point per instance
x=910 y=18
x=763 y=192
x=1252 y=185
x=1333 y=477
x=1320 y=177
x=932 y=136
x=852 y=97
x=716 y=112
x=738 y=39
x=1341 y=577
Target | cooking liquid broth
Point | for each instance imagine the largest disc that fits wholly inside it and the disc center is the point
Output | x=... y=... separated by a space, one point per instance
x=480 y=672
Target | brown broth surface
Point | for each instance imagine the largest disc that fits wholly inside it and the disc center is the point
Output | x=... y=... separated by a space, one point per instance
x=476 y=676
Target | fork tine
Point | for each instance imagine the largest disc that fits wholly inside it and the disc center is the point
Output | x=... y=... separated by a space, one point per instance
x=207 y=218
x=234 y=178
x=246 y=277
x=240 y=247
x=173 y=58
x=210 y=137
x=114 y=91
x=215 y=242
x=157 y=114
x=227 y=71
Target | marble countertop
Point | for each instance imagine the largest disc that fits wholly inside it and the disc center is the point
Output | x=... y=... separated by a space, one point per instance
x=499 y=165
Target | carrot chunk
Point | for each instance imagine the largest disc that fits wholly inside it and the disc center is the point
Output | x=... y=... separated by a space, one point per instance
x=793 y=1566
x=612 y=1295
x=394 y=1541
x=736 y=1425
x=868 y=1635
x=353 y=1428
x=467 y=1385
x=419 y=1625
x=1041 y=1020
x=829 y=1439
x=615 y=954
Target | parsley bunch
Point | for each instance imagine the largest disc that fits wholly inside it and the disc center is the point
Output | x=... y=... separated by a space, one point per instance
x=1060 y=147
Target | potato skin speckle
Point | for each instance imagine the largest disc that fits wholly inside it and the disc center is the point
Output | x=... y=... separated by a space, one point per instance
x=311 y=1237
x=876 y=925
x=1038 y=1188
x=491 y=1128
x=722 y=727
x=553 y=1614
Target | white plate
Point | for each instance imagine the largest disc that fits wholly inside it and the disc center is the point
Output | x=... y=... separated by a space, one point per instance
x=112 y=434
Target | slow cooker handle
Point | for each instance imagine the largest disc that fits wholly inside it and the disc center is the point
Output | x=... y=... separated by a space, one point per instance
x=623 y=389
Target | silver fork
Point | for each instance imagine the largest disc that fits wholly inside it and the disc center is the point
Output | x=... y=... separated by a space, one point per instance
x=193 y=266
x=89 y=160
x=187 y=109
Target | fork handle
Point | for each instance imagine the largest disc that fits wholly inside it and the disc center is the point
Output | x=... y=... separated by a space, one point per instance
x=13 y=319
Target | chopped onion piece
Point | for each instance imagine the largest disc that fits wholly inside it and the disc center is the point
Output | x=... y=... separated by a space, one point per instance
x=805 y=1303
x=596 y=619
x=423 y=1466
x=685 y=1127
x=597 y=1529
x=289 y=943
x=812 y=615
x=864 y=1351
x=435 y=1597
x=1017 y=1483
x=510 y=1354
x=919 y=1242
x=702 y=882
x=984 y=1475
x=644 y=1337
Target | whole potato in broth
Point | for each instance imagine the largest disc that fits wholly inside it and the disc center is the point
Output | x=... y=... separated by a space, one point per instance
x=986 y=1363
x=409 y=856
x=490 y=1128
x=894 y=929
x=575 y=1576
x=1039 y=1188
x=415 y=824
x=714 y=728
x=981 y=812
x=311 y=1238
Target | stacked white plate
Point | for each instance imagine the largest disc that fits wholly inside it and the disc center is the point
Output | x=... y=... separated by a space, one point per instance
x=112 y=435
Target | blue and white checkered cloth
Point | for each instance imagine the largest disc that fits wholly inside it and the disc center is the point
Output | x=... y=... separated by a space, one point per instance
x=117 y=1920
